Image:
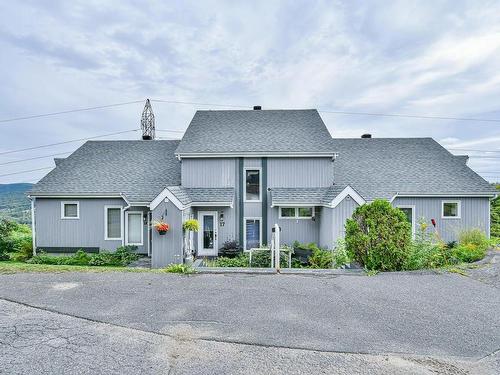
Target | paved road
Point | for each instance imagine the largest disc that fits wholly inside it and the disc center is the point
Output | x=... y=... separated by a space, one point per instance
x=128 y=322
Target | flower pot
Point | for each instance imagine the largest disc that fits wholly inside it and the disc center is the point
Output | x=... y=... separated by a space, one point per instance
x=162 y=232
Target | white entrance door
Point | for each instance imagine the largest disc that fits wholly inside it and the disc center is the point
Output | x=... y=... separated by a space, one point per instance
x=207 y=236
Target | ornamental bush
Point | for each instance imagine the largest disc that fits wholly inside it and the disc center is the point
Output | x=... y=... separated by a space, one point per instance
x=379 y=236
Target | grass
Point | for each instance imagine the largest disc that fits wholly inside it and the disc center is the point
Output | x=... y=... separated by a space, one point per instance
x=15 y=267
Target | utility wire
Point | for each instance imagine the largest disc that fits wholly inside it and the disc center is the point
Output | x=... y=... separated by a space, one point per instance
x=475 y=150
x=203 y=104
x=69 y=111
x=62 y=143
x=38 y=157
x=425 y=117
x=30 y=170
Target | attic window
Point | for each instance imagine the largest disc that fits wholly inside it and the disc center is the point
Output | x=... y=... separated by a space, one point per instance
x=70 y=210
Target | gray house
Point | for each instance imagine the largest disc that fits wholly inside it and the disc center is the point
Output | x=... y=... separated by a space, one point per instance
x=240 y=172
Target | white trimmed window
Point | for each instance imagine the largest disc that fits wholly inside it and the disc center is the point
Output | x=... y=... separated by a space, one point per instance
x=113 y=222
x=451 y=209
x=252 y=185
x=70 y=210
x=296 y=212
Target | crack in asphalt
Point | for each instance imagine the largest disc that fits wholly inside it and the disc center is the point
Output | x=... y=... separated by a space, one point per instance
x=243 y=343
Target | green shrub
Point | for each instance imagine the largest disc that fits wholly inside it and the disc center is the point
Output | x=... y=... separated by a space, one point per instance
x=474 y=236
x=240 y=260
x=179 y=268
x=341 y=256
x=16 y=240
x=121 y=257
x=320 y=258
x=469 y=252
x=262 y=259
x=379 y=236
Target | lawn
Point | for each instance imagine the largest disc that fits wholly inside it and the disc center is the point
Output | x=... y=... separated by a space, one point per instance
x=14 y=267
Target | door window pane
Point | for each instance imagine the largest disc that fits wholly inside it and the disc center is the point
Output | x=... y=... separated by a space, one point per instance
x=305 y=211
x=208 y=232
x=252 y=192
x=252 y=233
x=135 y=228
x=70 y=210
x=450 y=209
x=114 y=223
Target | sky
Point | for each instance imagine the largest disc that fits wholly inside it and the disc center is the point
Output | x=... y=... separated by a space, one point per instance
x=425 y=58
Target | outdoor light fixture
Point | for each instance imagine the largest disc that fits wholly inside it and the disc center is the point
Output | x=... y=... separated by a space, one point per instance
x=221 y=219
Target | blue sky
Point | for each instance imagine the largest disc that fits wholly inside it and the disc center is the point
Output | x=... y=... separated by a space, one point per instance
x=415 y=57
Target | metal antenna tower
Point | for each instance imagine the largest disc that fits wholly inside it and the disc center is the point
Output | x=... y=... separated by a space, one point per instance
x=148 y=122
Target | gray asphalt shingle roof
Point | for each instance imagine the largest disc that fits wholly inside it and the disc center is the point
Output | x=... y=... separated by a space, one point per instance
x=256 y=131
x=139 y=169
x=309 y=195
x=382 y=167
x=194 y=195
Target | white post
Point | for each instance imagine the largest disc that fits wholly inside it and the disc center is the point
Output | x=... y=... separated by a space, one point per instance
x=277 y=246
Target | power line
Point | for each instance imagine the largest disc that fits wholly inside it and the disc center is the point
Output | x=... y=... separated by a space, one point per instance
x=475 y=150
x=170 y=131
x=30 y=170
x=69 y=111
x=484 y=157
x=203 y=104
x=62 y=143
x=425 y=117
x=38 y=157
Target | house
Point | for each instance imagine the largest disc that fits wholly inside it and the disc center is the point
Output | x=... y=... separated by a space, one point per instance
x=241 y=171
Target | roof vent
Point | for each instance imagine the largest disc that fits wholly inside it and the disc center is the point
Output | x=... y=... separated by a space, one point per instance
x=257 y=107
x=366 y=136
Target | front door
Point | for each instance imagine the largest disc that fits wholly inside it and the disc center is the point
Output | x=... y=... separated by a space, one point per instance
x=207 y=236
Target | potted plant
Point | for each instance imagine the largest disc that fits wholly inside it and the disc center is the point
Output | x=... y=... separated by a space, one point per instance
x=161 y=227
x=191 y=225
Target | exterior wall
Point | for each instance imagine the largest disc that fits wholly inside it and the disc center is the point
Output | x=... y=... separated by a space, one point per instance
x=474 y=214
x=167 y=248
x=302 y=230
x=332 y=222
x=299 y=172
x=87 y=231
x=216 y=172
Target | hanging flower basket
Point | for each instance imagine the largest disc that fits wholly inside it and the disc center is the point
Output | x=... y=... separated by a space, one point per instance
x=161 y=227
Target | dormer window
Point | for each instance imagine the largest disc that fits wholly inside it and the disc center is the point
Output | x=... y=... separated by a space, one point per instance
x=252 y=185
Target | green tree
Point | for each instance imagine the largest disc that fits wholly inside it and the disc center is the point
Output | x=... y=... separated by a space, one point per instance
x=378 y=236
x=495 y=214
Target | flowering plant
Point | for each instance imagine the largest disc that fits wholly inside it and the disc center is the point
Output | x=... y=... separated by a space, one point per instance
x=161 y=226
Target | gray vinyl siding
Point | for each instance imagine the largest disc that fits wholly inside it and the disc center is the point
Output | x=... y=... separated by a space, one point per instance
x=87 y=231
x=302 y=230
x=474 y=214
x=208 y=173
x=332 y=222
x=167 y=248
x=299 y=172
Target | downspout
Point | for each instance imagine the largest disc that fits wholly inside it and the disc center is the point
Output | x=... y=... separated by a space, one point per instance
x=240 y=200
x=123 y=216
x=264 y=200
x=33 y=231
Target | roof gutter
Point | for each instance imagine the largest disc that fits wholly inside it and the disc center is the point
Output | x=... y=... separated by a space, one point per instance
x=443 y=195
x=251 y=154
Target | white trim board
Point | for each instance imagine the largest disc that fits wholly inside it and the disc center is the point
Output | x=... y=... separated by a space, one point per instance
x=348 y=191
x=459 y=209
x=245 y=218
x=106 y=238
x=255 y=154
x=413 y=216
x=63 y=217
x=127 y=214
x=244 y=182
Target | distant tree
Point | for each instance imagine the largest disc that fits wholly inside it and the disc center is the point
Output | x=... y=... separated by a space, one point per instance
x=495 y=214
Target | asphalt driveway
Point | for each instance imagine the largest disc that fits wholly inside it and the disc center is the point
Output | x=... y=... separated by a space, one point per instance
x=359 y=322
